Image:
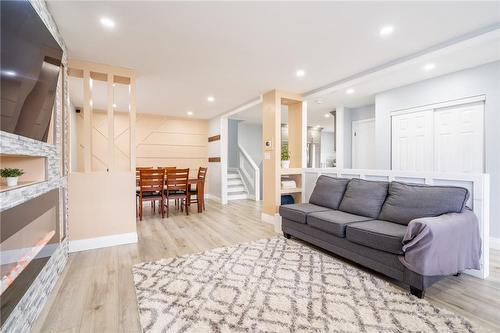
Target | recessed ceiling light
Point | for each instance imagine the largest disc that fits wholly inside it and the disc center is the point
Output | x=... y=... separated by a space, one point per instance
x=327 y=115
x=114 y=105
x=300 y=73
x=386 y=30
x=189 y=113
x=211 y=98
x=9 y=73
x=107 y=22
x=349 y=91
x=429 y=67
x=319 y=101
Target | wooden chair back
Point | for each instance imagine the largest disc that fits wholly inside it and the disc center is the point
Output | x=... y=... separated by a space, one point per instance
x=202 y=173
x=152 y=180
x=177 y=180
x=138 y=172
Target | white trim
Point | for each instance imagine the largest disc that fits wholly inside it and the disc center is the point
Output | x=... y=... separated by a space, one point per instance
x=272 y=219
x=209 y=196
x=256 y=172
x=494 y=243
x=440 y=105
x=100 y=242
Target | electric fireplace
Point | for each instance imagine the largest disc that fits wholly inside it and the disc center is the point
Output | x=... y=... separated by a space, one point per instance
x=29 y=237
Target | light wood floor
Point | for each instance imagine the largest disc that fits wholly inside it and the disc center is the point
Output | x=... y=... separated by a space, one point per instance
x=96 y=292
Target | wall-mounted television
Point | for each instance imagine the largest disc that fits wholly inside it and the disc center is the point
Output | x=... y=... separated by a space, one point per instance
x=30 y=66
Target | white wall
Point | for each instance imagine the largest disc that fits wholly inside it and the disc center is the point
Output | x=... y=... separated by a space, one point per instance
x=327 y=151
x=250 y=138
x=482 y=80
x=214 y=169
x=233 y=160
x=350 y=115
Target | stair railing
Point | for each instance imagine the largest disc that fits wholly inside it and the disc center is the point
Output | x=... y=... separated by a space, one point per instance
x=250 y=172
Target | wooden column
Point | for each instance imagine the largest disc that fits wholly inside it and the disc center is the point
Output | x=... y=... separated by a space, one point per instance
x=132 y=123
x=295 y=134
x=111 y=124
x=87 y=122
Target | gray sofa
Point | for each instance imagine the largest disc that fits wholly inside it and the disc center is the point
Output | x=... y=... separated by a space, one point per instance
x=365 y=221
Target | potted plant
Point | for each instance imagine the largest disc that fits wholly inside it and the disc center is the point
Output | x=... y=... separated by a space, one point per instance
x=11 y=175
x=285 y=156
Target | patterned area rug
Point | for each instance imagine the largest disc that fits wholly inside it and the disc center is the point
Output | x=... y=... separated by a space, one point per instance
x=277 y=285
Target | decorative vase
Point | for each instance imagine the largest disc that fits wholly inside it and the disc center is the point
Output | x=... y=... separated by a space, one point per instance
x=285 y=164
x=11 y=181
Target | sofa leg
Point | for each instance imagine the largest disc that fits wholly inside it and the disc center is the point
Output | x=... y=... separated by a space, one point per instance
x=417 y=292
x=287 y=236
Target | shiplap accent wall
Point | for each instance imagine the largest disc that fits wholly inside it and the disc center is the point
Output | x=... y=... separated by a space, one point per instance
x=161 y=141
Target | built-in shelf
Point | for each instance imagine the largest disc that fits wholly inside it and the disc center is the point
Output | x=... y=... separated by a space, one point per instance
x=291 y=190
x=34 y=168
x=4 y=187
x=291 y=171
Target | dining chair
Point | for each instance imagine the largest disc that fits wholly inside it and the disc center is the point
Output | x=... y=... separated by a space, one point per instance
x=151 y=188
x=202 y=173
x=177 y=188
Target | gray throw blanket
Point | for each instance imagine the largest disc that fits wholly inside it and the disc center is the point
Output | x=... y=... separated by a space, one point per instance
x=442 y=245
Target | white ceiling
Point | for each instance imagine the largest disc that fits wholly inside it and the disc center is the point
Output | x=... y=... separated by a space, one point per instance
x=235 y=51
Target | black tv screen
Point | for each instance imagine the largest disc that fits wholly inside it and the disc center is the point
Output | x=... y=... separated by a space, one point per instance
x=30 y=66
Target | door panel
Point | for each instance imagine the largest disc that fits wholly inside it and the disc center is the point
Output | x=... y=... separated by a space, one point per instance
x=363 y=144
x=458 y=138
x=412 y=141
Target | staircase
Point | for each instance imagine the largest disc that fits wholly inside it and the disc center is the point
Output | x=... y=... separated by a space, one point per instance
x=236 y=189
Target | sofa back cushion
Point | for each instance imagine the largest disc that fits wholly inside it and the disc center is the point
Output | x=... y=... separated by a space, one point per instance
x=328 y=191
x=364 y=197
x=410 y=201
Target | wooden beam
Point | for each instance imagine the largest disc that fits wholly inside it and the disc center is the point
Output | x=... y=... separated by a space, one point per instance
x=214 y=138
x=100 y=68
x=111 y=124
x=132 y=123
x=87 y=122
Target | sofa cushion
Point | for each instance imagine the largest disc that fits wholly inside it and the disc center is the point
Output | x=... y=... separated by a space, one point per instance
x=377 y=234
x=410 y=201
x=333 y=221
x=298 y=212
x=328 y=191
x=364 y=197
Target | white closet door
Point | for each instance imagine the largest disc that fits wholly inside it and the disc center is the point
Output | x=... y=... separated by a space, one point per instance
x=363 y=144
x=412 y=141
x=458 y=138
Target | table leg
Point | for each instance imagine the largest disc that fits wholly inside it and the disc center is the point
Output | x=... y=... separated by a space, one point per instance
x=199 y=197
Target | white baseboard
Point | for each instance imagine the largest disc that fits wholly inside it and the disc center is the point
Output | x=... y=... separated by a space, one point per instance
x=272 y=219
x=494 y=243
x=213 y=197
x=100 y=242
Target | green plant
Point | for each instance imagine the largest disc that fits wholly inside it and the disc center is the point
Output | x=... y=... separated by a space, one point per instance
x=9 y=172
x=285 y=154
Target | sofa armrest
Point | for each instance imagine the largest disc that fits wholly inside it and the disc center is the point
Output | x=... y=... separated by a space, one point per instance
x=442 y=245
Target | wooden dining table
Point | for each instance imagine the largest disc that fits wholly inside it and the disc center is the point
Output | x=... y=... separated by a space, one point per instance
x=199 y=191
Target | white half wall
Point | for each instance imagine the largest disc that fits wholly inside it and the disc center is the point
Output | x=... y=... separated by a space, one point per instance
x=481 y=80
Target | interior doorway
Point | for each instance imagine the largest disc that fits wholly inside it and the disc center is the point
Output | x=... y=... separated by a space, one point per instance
x=363 y=144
